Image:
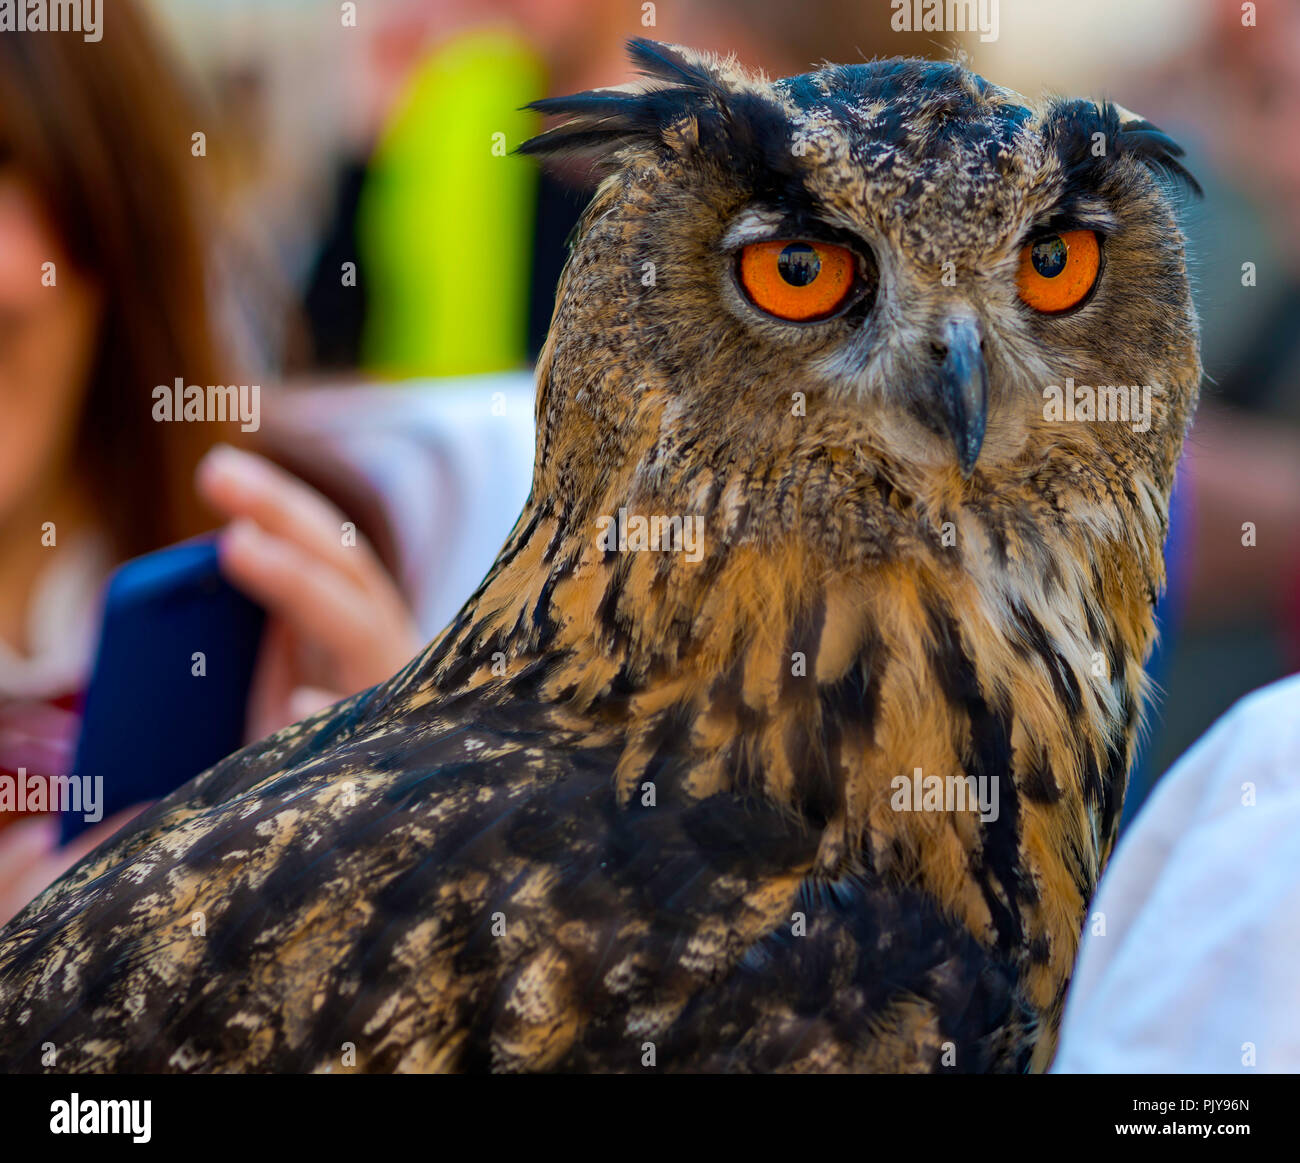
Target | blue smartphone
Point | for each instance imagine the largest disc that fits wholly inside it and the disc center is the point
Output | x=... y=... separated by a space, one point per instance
x=171 y=678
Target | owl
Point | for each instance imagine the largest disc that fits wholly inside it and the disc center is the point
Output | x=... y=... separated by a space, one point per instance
x=789 y=730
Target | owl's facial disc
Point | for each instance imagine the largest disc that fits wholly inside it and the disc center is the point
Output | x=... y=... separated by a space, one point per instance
x=963 y=387
x=891 y=259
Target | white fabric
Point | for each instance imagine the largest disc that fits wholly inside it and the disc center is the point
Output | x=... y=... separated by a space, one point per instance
x=1199 y=966
x=452 y=459
x=62 y=623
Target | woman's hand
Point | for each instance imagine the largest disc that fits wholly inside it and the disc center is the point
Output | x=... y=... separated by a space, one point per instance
x=336 y=622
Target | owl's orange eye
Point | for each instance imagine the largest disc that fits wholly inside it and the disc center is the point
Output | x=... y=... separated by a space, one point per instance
x=1058 y=270
x=798 y=281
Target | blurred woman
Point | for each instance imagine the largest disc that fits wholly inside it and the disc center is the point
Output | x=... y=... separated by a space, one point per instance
x=109 y=287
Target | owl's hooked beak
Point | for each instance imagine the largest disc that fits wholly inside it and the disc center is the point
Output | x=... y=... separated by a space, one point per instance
x=963 y=388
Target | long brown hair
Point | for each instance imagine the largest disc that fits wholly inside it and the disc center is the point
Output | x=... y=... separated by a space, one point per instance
x=103 y=132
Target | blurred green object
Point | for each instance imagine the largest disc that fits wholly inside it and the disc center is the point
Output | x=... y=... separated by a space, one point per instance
x=447 y=214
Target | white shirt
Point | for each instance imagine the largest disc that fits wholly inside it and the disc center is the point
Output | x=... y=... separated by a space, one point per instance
x=62 y=623
x=1198 y=970
x=453 y=461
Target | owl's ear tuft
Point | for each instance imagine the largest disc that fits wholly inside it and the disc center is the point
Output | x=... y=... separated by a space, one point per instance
x=666 y=62
x=1072 y=128
x=679 y=85
x=1138 y=138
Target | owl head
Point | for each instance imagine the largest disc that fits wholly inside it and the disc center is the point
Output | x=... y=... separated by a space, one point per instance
x=893 y=268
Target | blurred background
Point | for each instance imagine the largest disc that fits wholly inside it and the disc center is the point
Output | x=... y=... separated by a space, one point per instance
x=350 y=230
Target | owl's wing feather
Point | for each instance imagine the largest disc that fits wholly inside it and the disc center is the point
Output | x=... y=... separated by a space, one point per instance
x=477 y=899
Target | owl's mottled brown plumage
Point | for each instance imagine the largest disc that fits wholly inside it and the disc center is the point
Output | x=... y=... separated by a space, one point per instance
x=634 y=810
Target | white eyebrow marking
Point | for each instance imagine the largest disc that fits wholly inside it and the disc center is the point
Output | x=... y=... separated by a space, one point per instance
x=752 y=225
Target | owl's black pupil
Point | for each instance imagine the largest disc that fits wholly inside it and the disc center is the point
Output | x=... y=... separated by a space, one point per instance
x=799 y=264
x=1049 y=255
